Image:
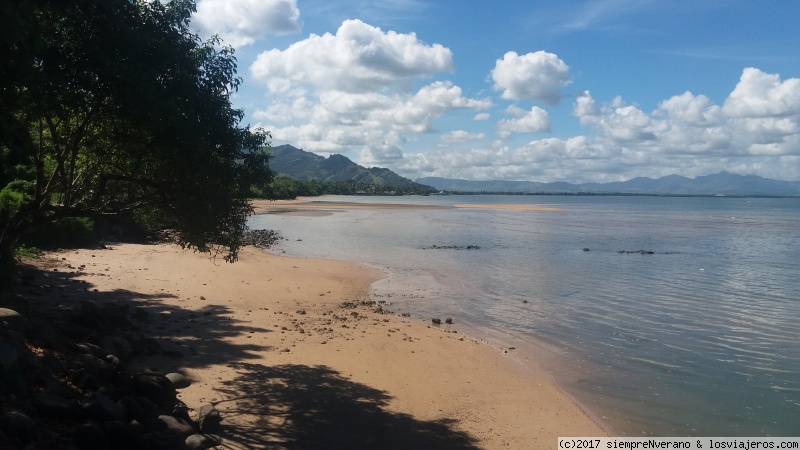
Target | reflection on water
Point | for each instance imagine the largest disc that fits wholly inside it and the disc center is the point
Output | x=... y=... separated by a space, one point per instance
x=698 y=338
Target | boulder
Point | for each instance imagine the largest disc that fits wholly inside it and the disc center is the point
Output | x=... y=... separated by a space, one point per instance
x=12 y=320
x=178 y=381
x=89 y=436
x=208 y=418
x=202 y=441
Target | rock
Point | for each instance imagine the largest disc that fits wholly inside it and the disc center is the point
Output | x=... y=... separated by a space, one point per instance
x=436 y=321
x=448 y=321
x=90 y=349
x=116 y=346
x=100 y=407
x=55 y=407
x=149 y=409
x=8 y=357
x=43 y=332
x=208 y=418
x=178 y=381
x=120 y=435
x=131 y=408
x=12 y=320
x=202 y=441
x=153 y=386
x=72 y=329
x=163 y=440
x=17 y=425
x=177 y=425
x=99 y=368
x=89 y=436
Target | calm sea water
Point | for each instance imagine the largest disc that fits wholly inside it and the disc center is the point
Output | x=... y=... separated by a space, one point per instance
x=702 y=337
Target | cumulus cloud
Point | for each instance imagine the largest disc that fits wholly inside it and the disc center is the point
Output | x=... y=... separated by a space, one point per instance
x=534 y=121
x=242 y=22
x=358 y=58
x=482 y=116
x=760 y=94
x=356 y=93
x=538 y=76
x=757 y=130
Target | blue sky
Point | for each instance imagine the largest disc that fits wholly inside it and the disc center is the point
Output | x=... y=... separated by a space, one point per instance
x=574 y=90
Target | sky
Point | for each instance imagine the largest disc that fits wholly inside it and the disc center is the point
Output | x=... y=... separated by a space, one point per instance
x=571 y=90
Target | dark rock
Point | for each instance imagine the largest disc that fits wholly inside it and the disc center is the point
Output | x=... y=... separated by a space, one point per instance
x=120 y=435
x=88 y=348
x=436 y=321
x=448 y=321
x=163 y=440
x=100 y=407
x=202 y=441
x=149 y=409
x=586 y=249
x=208 y=418
x=90 y=436
x=55 y=407
x=17 y=425
x=101 y=369
x=132 y=409
x=116 y=346
x=85 y=379
x=43 y=332
x=72 y=329
x=153 y=386
x=13 y=320
x=8 y=357
x=177 y=425
x=178 y=381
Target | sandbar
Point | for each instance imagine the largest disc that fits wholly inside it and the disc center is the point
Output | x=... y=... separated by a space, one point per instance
x=295 y=354
x=311 y=207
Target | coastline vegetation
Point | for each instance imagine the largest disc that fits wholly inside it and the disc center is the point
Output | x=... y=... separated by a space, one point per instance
x=114 y=114
x=287 y=188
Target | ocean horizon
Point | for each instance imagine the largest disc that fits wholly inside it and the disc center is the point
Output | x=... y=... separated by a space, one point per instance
x=668 y=316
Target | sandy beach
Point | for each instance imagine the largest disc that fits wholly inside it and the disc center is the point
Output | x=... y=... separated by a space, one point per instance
x=295 y=355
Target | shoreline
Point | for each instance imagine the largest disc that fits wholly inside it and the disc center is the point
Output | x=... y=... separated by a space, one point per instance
x=280 y=322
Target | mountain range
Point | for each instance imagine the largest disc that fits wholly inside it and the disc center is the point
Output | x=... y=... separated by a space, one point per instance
x=723 y=183
x=306 y=166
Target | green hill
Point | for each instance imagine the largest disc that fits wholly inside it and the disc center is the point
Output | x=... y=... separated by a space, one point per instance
x=295 y=163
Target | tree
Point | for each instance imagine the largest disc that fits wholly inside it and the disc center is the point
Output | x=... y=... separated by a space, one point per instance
x=114 y=106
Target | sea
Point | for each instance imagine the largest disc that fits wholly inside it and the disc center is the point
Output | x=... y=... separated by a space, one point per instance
x=661 y=316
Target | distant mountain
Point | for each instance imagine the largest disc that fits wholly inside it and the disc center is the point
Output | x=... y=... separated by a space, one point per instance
x=723 y=183
x=306 y=166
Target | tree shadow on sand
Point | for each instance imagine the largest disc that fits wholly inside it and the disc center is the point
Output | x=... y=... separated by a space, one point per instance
x=304 y=407
x=193 y=338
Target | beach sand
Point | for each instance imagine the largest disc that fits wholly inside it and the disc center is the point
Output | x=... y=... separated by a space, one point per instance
x=294 y=355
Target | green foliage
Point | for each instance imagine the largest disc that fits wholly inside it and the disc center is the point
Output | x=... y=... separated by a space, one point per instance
x=67 y=232
x=283 y=187
x=115 y=107
x=30 y=252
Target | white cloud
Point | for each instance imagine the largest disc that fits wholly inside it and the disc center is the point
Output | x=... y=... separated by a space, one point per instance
x=534 y=121
x=759 y=94
x=459 y=136
x=538 y=76
x=358 y=58
x=757 y=132
x=482 y=116
x=242 y=22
